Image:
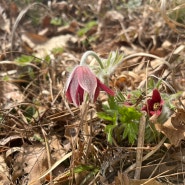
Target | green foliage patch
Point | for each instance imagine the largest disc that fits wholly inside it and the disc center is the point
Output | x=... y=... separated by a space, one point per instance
x=123 y=121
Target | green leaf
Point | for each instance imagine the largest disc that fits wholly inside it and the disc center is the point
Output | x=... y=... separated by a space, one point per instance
x=151 y=133
x=47 y=59
x=58 y=50
x=133 y=130
x=24 y=60
x=123 y=121
x=111 y=63
x=82 y=168
x=125 y=133
x=105 y=116
x=119 y=97
x=112 y=103
x=86 y=28
x=57 y=21
x=130 y=118
x=109 y=129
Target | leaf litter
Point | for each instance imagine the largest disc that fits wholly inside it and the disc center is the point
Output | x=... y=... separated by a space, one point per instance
x=46 y=140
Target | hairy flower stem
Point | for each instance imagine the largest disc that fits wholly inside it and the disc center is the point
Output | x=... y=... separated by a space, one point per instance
x=92 y=53
x=86 y=54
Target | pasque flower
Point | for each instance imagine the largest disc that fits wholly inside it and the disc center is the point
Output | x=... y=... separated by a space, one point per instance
x=155 y=104
x=82 y=80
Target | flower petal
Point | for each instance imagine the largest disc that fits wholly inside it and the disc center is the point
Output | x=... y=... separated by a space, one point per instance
x=73 y=90
x=105 y=88
x=79 y=96
x=156 y=96
x=68 y=96
x=87 y=80
x=150 y=103
x=73 y=73
x=157 y=112
x=162 y=102
x=149 y=106
x=97 y=92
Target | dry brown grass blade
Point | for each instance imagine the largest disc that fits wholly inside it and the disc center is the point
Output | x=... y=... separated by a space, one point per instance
x=163 y=61
x=53 y=167
x=16 y=63
x=151 y=179
x=48 y=151
x=21 y=15
x=172 y=24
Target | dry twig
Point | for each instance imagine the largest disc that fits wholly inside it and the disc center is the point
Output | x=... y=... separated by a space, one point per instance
x=139 y=154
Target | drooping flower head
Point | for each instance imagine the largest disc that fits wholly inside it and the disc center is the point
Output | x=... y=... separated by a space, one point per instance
x=154 y=105
x=81 y=80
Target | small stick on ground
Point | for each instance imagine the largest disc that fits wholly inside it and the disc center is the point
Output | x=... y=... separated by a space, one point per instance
x=48 y=154
x=140 y=144
x=130 y=168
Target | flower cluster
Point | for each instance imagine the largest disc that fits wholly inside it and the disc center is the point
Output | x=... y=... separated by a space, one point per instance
x=82 y=82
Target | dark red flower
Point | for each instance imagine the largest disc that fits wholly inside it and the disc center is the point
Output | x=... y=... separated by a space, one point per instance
x=154 y=105
x=83 y=80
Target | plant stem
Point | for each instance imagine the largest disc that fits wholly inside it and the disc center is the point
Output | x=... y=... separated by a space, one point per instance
x=86 y=54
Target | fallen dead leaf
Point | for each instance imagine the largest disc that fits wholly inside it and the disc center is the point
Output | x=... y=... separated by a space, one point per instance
x=4 y=174
x=10 y=94
x=44 y=48
x=56 y=152
x=178 y=121
x=31 y=163
x=174 y=134
x=32 y=39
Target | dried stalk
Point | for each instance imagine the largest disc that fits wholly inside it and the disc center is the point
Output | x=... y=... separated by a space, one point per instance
x=140 y=144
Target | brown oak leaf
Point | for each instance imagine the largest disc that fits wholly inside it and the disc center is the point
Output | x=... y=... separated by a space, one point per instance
x=178 y=121
x=174 y=134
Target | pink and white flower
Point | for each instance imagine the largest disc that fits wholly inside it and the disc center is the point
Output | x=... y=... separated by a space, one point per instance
x=82 y=80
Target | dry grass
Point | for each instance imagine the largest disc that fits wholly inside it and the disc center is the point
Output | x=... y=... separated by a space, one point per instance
x=45 y=140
